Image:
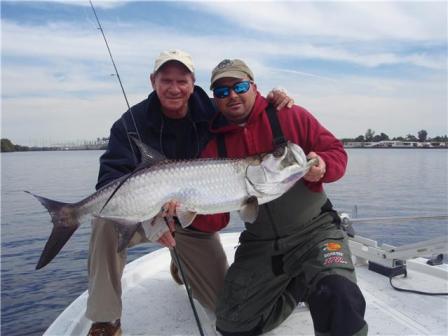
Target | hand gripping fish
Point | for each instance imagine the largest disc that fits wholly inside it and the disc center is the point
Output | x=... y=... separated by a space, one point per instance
x=201 y=186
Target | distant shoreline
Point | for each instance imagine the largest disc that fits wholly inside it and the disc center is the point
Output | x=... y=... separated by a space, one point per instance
x=8 y=147
x=361 y=147
x=50 y=149
x=395 y=144
x=89 y=149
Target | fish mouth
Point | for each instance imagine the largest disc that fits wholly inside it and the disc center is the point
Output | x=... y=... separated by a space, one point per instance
x=293 y=178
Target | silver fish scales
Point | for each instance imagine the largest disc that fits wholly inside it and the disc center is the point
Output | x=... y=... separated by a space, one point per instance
x=201 y=186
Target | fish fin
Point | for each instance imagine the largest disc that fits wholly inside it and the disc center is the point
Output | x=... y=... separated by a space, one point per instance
x=185 y=216
x=125 y=229
x=65 y=221
x=155 y=228
x=249 y=211
x=149 y=155
x=125 y=178
x=125 y=234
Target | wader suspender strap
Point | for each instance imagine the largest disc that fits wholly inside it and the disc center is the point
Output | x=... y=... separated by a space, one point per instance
x=279 y=142
x=278 y=139
x=220 y=142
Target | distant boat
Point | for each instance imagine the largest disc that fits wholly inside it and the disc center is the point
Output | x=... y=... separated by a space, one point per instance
x=154 y=305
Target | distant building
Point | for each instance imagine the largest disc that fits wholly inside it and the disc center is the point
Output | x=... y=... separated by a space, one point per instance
x=395 y=144
x=99 y=143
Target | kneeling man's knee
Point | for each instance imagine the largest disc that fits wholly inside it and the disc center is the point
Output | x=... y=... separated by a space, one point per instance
x=337 y=306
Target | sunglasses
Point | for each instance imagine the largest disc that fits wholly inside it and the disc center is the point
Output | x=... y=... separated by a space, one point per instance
x=238 y=88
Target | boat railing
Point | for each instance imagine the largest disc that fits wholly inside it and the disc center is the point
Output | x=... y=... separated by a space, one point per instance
x=390 y=260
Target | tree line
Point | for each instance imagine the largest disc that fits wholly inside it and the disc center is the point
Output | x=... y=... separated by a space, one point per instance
x=370 y=136
x=8 y=146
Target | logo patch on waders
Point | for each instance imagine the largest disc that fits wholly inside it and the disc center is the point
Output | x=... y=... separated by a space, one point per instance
x=332 y=246
x=332 y=254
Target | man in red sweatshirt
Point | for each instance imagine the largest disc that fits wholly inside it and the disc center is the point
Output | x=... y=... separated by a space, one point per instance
x=295 y=251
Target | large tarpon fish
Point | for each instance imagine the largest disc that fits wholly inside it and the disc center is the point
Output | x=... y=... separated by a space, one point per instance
x=201 y=186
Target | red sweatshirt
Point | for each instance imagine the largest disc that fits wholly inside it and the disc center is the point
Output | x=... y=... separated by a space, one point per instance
x=255 y=137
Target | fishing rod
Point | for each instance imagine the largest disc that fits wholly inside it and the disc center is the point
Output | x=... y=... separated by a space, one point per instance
x=176 y=256
x=187 y=286
x=345 y=216
x=100 y=27
x=347 y=221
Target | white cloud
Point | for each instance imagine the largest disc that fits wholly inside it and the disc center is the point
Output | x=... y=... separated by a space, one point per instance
x=128 y=44
x=338 y=19
x=60 y=119
x=79 y=52
x=351 y=115
x=395 y=107
x=105 y=4
x=58 y=74
x=25 y=80
x=55 y=41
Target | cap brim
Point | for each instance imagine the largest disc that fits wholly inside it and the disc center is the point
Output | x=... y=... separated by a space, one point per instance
x=230 y=74
x=176 y=60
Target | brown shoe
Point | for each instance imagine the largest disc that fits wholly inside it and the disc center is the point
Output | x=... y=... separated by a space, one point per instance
x=105 y=329
x=175 y=273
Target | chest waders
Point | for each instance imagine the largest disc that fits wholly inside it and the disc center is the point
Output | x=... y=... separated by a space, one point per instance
x=294 y=243
x=290 y=214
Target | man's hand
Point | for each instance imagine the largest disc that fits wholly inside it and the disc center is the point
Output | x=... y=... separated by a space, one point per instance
x=168 y=212
x=167 y=240
x=316 y=173
x=279 y=98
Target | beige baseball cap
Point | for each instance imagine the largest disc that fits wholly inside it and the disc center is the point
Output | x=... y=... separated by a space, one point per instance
x=230 y=68
x=174 y=55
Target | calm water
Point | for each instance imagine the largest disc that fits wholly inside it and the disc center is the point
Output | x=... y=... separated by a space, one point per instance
x=381 y=182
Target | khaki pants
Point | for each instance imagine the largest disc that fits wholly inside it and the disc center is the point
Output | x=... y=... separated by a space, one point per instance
x=202 y=255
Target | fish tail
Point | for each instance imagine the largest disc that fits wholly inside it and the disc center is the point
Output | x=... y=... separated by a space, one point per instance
x=65 y=220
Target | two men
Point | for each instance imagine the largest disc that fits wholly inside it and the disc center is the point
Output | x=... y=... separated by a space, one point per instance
x=295 y=250
x=173 y=120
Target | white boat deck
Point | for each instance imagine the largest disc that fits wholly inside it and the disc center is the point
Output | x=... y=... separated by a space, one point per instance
x=154 y=305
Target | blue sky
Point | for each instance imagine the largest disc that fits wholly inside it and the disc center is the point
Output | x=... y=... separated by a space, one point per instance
x=354 y=65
